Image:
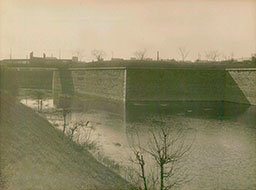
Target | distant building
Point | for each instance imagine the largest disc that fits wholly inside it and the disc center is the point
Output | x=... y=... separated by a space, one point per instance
x=201 y=61
x=244 y=59
x=117 y=59
x=38 y=60
x=51 y=58
x=15 y=61
x=75 y=59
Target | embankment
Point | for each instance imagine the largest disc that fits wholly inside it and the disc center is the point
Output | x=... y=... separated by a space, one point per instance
x=34 y=155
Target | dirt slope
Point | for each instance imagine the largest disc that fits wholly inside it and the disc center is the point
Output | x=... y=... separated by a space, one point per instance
x=34 y=155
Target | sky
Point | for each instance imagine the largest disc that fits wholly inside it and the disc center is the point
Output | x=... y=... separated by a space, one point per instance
x=65 y=28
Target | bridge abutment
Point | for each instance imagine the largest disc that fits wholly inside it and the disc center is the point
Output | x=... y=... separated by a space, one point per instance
x=236 y=85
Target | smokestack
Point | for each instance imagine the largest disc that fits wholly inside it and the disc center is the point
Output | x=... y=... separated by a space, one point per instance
x=10 y=53
x=31 y=55
x=157 y=55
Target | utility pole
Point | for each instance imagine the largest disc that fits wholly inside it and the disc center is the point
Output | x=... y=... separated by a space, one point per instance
x=10 y=53
x=78 y=57
x=59 y=53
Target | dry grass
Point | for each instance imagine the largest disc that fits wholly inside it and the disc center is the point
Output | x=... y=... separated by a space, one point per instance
x=34 y=155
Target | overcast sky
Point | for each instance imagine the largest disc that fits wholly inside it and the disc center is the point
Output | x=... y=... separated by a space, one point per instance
x=67 y=27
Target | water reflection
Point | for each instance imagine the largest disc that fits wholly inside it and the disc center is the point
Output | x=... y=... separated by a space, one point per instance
x=205 y=110
x=224 y=151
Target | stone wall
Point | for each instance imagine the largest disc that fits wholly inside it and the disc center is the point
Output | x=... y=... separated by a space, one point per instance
x=103 y=83
x=241 y=86
x=164 y=84
x=175 y=85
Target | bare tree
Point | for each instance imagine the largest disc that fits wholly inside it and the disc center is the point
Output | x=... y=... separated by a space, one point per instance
x=183 y=53
x=39 y=95
x=212 y=55
x=75 y=130
x=140 y=54
x=138 y=153
x=81 y=132
x=65 y=104
x=167 y=147
x=98 y=54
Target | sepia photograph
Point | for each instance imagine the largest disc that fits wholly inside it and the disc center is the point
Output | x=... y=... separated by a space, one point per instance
x=127 y=95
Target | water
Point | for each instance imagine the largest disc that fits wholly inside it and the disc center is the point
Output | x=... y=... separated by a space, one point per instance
x=223 y=155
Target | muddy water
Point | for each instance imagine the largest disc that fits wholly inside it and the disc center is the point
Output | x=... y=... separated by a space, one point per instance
x=223 y=155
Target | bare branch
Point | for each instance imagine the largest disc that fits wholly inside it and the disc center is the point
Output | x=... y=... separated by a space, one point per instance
x=140 y=54
x=212 y=55
x=183 y=53
x=98 y=54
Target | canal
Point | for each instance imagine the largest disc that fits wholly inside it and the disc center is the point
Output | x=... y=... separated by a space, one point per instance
x=222 y=135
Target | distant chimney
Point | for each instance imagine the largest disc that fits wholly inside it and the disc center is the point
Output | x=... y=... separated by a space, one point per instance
x=75 y=59
x=157 y=55
x=44 y=56
x=31 y=55
x=11 y=53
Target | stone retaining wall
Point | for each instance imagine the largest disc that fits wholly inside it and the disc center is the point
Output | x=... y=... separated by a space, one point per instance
x=175 y=85
x=241 y=86
x=103 y=83
x=165 y=84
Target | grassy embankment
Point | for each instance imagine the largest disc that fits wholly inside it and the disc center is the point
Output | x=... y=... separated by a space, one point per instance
x=34 y=155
